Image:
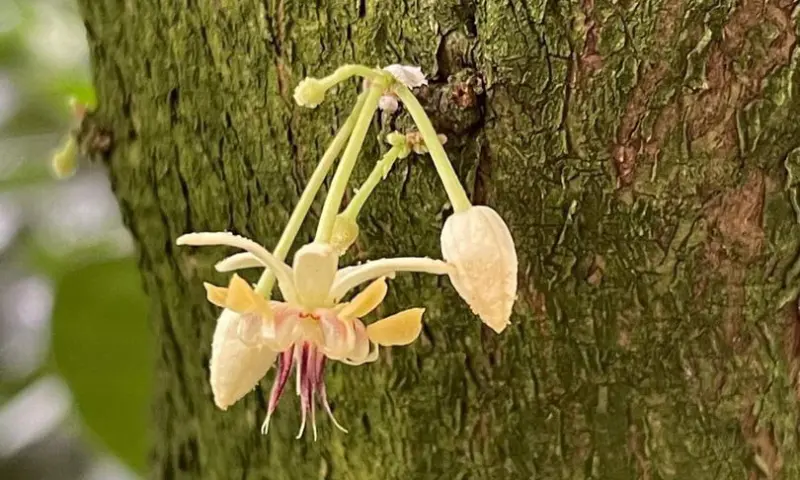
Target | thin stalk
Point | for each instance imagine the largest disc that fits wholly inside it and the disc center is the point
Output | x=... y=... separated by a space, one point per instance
x=379 y=172
x=455 y=192
x=267 y=280
x=339 y=183
x=346 y=71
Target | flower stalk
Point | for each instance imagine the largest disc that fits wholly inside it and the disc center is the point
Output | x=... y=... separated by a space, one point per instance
x=267 y=280
x=379 y=172
x=339 y=183
x=455 y=192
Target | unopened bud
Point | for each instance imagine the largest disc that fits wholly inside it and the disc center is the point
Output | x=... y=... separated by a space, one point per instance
x=477 y=243
x=65 y=160
x=310 y=92
x=345 y=232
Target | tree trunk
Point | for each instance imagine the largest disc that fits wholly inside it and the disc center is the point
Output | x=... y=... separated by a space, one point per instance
x=644 y=155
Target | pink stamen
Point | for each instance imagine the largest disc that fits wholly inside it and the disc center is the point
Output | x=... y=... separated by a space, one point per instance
x=304 y=388
x=323 y=394
x=310 y=364
x=311 y=380
x=284 y=370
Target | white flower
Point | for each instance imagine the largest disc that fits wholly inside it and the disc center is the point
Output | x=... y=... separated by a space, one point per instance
x=308 y=328
x=477 y=243
x=408 y=75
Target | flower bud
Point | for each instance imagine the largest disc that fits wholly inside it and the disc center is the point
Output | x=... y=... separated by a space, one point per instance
x=477 y=243
x=65 y=160
x=310 y=92
x=345 y=232
x=388 y=103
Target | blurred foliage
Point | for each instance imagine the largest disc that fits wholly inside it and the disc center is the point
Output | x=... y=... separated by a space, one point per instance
x=68 y=281
x=101 y=344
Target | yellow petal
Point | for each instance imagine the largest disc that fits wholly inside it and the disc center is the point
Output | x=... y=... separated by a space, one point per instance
x=242 y=299
x=399 y=329
x=239 y=299
x=366 y=301
x=215 y=294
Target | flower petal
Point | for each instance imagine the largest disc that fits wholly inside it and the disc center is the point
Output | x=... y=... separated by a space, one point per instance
x=409 y=75
x=399 y=329
x=361 y=349
x=351 y=277
x=281 y=270
x=242 y=299
x=314 y=270
x=366 y=301
x=338 y=336
x=235 y=367
x=239 y=261
x=216 y=295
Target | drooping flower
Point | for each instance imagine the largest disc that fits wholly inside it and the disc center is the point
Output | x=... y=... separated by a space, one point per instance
x=479 y=246
x=310 y=327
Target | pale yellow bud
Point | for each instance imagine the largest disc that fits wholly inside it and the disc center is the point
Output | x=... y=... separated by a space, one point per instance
x=477 y=243
x=65 y=160
x=310 y=92
x=345 y=232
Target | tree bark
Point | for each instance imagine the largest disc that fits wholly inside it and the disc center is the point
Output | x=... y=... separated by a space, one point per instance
x=644 y=155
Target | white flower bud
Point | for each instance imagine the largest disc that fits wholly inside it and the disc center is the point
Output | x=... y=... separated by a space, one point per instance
x=309 y=93
x=477 y=243
x=388 y=103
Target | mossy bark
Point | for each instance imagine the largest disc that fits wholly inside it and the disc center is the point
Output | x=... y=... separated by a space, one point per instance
x=644 y=155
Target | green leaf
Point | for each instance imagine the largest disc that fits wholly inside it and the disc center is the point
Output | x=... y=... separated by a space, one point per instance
x=103 y=347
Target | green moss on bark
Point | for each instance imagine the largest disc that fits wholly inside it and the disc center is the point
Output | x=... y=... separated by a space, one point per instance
x=646 y=171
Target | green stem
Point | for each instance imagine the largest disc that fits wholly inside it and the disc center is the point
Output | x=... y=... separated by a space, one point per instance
x=339 y=183
x=267 y=280
x=380 y=171
x=346 y=71
x=458 y=197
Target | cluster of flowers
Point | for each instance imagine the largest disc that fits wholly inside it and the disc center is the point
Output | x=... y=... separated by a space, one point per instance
x=313 y=324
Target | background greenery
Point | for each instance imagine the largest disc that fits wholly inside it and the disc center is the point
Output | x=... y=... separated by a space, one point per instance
x=75 y=354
